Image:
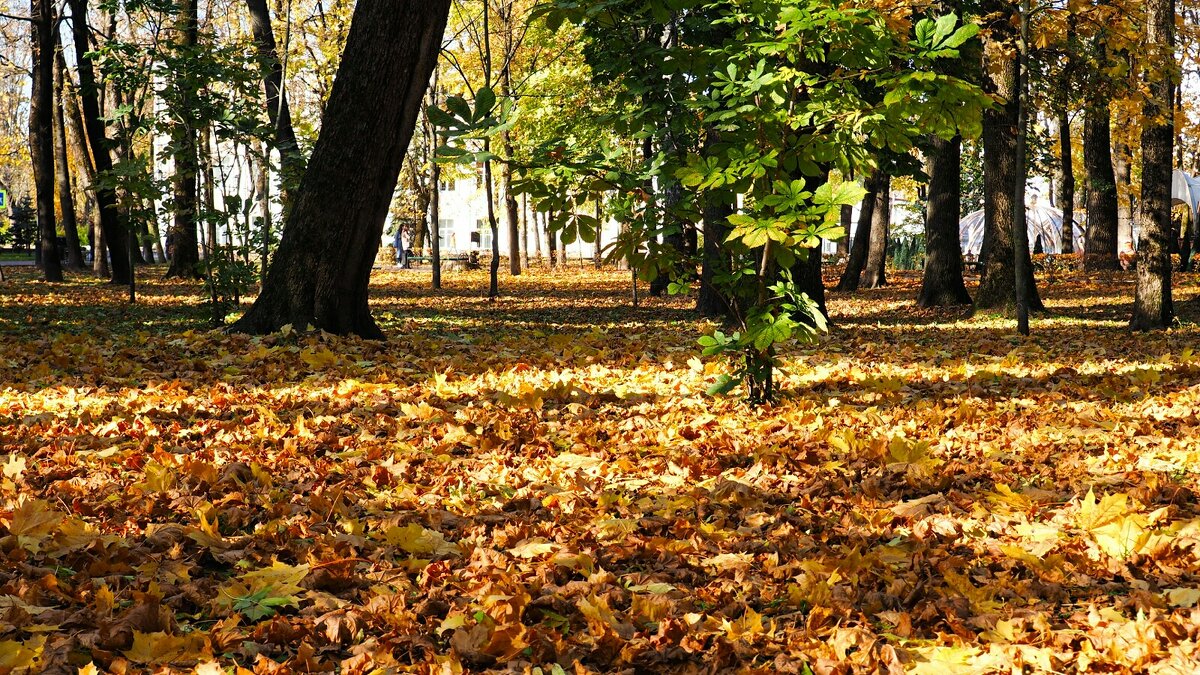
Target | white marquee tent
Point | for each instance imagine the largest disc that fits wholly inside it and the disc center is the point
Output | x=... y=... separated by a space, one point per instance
x=1045 y=222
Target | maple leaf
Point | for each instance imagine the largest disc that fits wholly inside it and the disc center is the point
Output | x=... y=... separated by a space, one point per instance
x=161 y=648
x=33 y=522
x=15 y=655
x=257 y=594
x=417 y=540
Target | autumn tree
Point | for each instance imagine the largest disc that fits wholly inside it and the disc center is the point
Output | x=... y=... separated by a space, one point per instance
x=320 y=274
x=41 y=133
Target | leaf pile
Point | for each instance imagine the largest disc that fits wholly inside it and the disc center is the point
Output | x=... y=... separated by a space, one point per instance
x=542 y=486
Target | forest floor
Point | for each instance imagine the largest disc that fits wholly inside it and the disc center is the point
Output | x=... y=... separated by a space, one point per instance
x=542 y=486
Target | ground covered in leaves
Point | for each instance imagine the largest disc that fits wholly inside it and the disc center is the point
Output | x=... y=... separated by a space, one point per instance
x=541 y=486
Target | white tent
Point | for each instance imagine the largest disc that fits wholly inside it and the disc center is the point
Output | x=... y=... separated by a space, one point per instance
x=1044 y=221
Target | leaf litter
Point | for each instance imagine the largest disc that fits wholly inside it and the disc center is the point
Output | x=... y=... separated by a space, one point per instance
x=542 y=486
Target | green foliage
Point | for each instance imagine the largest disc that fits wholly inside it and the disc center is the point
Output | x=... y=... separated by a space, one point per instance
x=20 y=231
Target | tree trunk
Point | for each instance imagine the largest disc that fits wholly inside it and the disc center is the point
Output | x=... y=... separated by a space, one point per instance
x=843 y=244
x=494 y=268
x=997 y=289
x=62 y=167
x=711 y=302
x=512 y=214
x=1100 y=244
x=942 y=284
x=1123 y=172
x=116 y=235
x=598 y=245
x=264 y=208
x=1066 y=197
x=525 y=231
x=185 y=260
x=78 y=136
x=41 y=134
x=291 y=161
x=874 y=275
x=1153 y=307
x=859 y=247
x=321 y=271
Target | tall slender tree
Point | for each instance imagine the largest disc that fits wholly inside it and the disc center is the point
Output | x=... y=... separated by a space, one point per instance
x=860 y=244
x=41 y=134
x=62 y=168
x=321 y=271
x=279 y=112
x=186 y=256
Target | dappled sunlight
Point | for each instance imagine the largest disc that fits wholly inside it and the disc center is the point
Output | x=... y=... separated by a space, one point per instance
x=545 y=476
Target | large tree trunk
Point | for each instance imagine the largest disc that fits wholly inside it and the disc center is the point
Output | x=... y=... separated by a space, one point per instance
x=1100 y=245
x=997 y=289
x=1066 y=180
x=1123 y=172
x=41 y=134
x=291 y=161
x=116 y=237
x=862 y=236
x=321 y=272
x=62 y=168
x=185 y=260
x=874 y=275
x=943 y=281
x=1153 y=307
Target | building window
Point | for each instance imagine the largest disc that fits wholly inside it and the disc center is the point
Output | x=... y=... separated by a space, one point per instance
x=484 y=235
x=446 y=185
x=446 y=232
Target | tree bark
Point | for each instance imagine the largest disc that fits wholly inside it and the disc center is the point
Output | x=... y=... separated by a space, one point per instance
x=714 y=261
x=862 y=236
x=942 y=284
x=874 y=275
x=1123 y=172
x=116 y=237
x=291 y=161
x=1153 y=307
x=1066 y=181
x=1100 y=244
x=997 y=289
x=77 y=135
x=41 y=134
x=62 y=167
x=843 y=244
x=185 y=260
x=321 y=272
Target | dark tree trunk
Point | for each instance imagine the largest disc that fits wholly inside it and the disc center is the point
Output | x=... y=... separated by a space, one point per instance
x=291 y=161
x=807 y=276
x=710 y=302
x=1066 y=181
x=862 y=236
x=321 y=271
x=874 y=275
x=943 y=281
x=1153 y=307
x=185 y=258
x=116 y=237
x=41 y=134
x=673 y=238
x=62 y=168
x=997 y=289
x=1100 y=244
x=511 y=212
x=843 y=244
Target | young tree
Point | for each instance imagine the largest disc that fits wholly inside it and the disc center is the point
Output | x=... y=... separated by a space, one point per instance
x=321 y=271
x=279 y=112
x=852 y=275
x=62 y=168
x=1153 y=307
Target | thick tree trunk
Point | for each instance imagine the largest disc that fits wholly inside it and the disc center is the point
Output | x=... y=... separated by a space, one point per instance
x=1100 y=244
x=997 y=289
x=1066 y=181
x=942 y=284
x=874 y=275
x=185 y=259
x=321 y=272
x=860 y=246
x=291 y=161
x=62 y=168
x=115 y=236
x=1153 y=307
x=41 y=134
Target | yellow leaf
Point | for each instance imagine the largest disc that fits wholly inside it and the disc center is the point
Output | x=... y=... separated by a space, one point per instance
x=318 y=359
x=33 y=521
x=1183 y=597
x=20 y=654
x=419 y=541
x=532 y=548
x=14 y=466
x=160 y=648
x=1093 y=515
